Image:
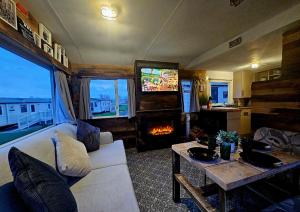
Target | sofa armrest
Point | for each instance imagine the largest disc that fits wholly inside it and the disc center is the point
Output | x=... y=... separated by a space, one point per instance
x=106 y=138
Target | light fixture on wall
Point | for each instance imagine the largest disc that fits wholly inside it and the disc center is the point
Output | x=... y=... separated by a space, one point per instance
x=254 y=65
x=109 y=13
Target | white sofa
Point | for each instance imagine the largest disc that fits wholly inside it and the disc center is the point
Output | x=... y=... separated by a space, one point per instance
x=107 y=187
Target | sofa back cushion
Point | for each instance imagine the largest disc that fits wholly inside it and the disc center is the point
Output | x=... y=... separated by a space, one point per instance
x=38 y=145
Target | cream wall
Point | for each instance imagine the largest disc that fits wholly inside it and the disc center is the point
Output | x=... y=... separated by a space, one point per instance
x=220 y=76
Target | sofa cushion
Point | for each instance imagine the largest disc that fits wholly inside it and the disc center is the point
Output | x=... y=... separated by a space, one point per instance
x=10 y=200
x=38 y=145
x=88 y=135
x=72 y=158
x=108 y=155
x=39 y=185
x=107 y=189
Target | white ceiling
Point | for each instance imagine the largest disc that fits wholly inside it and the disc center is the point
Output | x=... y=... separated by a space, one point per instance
x=164 y=30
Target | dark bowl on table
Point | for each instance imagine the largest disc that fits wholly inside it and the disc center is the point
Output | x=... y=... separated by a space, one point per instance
x=261 y=159
x=202 y=154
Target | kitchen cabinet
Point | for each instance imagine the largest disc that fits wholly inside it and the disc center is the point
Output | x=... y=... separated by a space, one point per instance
x=245 y=126
x=242 y=81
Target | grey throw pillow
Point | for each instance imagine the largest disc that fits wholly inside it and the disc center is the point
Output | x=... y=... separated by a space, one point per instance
x=72 y=158
x=88 y=135
x=39 y=185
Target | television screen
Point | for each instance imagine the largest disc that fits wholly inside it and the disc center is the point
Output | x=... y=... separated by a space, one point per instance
x=155 y=79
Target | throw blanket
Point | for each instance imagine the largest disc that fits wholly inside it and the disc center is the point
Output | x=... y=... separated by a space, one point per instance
x=279 y=139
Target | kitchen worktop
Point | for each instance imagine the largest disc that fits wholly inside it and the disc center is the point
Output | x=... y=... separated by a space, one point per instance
x=222 y=109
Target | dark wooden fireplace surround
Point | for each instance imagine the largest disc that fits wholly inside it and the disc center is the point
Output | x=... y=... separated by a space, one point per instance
x=155 y=110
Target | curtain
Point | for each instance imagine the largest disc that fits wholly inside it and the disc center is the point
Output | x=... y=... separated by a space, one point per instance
x=63 y=103
x=131 y=98
x=84 y=99
x=195 y=94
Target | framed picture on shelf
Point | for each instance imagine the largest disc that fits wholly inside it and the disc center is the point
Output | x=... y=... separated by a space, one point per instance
x=8 y=12
x=57 y=52
x=37 y=40
x=45 y=34
x=48 y=49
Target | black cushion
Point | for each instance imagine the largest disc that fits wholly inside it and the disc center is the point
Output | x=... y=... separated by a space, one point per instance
x=39 y=185
x=88 y=135
x=10 y=199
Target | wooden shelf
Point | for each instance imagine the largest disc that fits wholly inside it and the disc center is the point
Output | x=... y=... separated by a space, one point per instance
x=195 y=193
x=10 y=35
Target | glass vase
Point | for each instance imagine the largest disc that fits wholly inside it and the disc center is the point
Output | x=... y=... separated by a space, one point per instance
x=225 y=150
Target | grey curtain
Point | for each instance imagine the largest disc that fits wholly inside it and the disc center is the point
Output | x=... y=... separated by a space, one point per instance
x=84 y=99
x=131 y=98
x=63 y=103
x=195 y=94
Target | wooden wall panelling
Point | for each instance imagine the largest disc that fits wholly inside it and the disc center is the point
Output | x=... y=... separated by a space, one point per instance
x=104 y=71
x=276 y=104
x=291 y=54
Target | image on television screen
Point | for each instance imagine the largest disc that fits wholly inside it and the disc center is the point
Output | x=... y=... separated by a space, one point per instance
x=154 y=79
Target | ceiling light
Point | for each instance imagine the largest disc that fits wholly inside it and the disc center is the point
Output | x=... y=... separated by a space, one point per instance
x=254 y=65
x=109 y=13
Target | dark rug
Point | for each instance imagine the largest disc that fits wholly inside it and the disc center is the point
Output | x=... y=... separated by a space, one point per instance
x=151 y=174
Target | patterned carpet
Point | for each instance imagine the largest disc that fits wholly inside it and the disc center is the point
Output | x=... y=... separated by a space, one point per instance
x=151 y=174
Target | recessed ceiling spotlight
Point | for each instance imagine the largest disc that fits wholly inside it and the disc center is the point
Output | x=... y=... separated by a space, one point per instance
x=109 y=13
x=254 y=65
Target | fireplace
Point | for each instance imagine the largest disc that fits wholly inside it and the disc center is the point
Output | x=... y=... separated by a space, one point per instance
x=161 y=129
x=157 y=129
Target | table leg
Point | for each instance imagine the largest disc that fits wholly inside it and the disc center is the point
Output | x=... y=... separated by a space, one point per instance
x=175 y=170
x=223 y=198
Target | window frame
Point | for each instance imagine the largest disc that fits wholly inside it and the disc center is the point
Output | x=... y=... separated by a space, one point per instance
x=116 y=99
x=229 y=84
x=38 y=61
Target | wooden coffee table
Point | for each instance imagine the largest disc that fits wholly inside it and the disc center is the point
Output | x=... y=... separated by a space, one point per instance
x=227 y=174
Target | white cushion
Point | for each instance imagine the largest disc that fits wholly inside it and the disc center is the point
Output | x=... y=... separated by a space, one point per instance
x=108 y=155
x=107 y=189
x=72 y=157
x=38 y=145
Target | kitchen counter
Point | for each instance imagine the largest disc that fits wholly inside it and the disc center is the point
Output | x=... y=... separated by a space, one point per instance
x=223 y=109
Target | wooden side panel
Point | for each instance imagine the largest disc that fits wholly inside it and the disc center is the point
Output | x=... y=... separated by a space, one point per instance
x=291 y=54
x=276 y=104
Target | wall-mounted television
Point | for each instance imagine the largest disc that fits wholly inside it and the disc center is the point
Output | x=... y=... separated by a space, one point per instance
x=159 y=79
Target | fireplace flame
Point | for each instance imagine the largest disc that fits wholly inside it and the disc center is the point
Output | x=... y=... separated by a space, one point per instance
x=161 y=130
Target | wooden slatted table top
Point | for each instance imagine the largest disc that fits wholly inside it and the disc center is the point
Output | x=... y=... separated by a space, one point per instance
x=236 y=172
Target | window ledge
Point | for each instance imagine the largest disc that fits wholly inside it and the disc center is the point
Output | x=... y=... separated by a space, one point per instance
x=109 y=117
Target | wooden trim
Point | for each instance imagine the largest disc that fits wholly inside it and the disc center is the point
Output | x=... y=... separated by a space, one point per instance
x=14 y=41
x=103 y=71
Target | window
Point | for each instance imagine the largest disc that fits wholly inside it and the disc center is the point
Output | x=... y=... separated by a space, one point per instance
x=23 y=108
x=186 y=92
x=19 y=91
x=32 y=108
x=109 y=98
x=219 y=92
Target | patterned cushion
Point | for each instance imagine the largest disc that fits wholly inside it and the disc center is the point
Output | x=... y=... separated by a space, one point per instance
x=279 y=139
x=88 y=135
x=39 y=185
